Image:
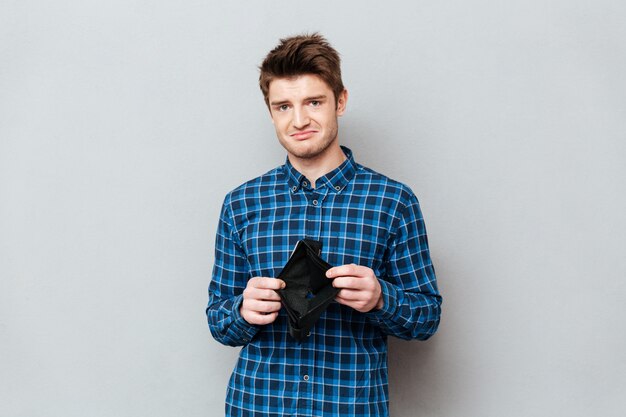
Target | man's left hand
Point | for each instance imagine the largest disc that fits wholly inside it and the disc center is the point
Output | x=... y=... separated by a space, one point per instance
x=359 y=287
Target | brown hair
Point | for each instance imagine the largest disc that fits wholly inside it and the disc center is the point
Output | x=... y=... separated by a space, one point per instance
x=300 y=55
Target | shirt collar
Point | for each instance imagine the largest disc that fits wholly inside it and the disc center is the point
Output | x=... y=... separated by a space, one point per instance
x=336 y=180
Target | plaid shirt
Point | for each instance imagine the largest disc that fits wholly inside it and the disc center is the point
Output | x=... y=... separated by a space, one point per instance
x=360 y=217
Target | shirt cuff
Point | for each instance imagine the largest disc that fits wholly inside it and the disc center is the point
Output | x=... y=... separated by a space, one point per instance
x=246 y=330
x=389 y=295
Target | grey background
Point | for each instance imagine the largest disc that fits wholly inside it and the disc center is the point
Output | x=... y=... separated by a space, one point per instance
x=124 y=123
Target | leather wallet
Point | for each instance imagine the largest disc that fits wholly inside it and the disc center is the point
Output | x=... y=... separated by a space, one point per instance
x=308 y=292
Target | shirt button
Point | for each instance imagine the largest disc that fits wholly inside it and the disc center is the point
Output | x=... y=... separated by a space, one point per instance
x=337 y=187
x=304 y=183
x=306 y=377
x=314 y=202
x=294 y=188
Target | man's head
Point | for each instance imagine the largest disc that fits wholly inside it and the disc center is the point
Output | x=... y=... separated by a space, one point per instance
x=301 y=82
x=302 y=55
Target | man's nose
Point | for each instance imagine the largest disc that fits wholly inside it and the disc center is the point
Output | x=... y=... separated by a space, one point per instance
x=300 y=118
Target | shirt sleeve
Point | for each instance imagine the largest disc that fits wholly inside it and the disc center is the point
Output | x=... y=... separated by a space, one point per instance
x=230 y=275
x=411 y=300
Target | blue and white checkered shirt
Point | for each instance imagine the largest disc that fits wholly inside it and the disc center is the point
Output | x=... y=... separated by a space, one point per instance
x=360 y=217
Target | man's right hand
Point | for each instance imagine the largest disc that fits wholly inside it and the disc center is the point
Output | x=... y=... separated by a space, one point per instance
x=261 y=302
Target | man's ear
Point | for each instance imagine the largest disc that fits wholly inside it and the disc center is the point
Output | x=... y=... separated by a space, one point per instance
x=342 y=100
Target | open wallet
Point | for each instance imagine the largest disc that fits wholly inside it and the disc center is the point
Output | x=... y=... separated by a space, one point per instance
x=308 y=292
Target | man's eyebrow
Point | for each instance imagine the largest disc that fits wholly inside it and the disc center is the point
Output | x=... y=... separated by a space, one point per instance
x=281 y=102
x=320 y=97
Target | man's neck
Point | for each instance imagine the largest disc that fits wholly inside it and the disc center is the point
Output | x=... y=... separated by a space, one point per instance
x=313 y=168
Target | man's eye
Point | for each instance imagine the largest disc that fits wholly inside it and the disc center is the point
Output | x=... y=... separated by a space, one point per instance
x=315 y=103
x=283 y=107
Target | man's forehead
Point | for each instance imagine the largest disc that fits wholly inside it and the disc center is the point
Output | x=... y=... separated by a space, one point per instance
x=298 y=86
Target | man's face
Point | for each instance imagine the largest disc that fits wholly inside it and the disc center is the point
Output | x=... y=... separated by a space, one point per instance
x=304 y=114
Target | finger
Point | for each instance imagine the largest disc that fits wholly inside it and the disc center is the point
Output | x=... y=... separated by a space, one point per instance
x=346 y=270
x=266 y=283
x=356 y=300
x=259 y=306
x=359 y=305
x=261 y=319
x=349 y=303
x=260 y=294
x=350 y=282
x=350 y=295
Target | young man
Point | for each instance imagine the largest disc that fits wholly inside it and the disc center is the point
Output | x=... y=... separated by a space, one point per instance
x=371 y=229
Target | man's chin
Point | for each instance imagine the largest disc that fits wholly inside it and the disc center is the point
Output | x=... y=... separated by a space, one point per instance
x=306 y=155
x=304 y=150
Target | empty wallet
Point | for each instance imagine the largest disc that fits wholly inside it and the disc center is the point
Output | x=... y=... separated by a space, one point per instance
x=308 y=292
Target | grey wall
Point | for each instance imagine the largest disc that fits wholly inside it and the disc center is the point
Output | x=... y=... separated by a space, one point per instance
x=123 y=124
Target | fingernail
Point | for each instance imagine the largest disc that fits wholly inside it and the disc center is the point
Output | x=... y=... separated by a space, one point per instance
x=329 y=274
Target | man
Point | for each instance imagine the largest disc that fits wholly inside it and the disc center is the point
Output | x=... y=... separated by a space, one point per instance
x=371 y=230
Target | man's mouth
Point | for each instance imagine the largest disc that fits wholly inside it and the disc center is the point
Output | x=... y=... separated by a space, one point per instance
x=305 y=134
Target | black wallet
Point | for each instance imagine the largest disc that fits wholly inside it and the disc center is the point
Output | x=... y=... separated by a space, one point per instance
x=308 y=292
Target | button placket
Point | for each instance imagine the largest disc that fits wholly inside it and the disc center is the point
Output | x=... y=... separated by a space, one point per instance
x=313 y=222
